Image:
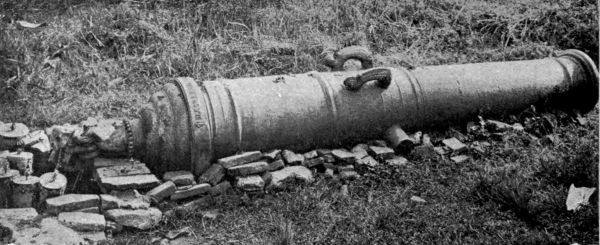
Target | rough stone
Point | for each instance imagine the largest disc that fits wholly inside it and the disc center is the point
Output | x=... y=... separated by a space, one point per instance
x=440 y=150
x=344 y=156
x=273 y=155
x=252 y=183
x=455 y=145
x=315 y=162
x=349 y=175
x=424 y=151
x=49 y=232
x=292 y=158
x=397 y=161
x=108 y=202
x=180 y=178
x=282 y=177
x=161 y=192
x=131 y=199
x=329 y=173
x=367 y=161
x=382 y=153
x=71 y=202
x=460 y=158
x=195 y=190
x=310 y=155
x=248 y=169
x=81 y=221
x=360 y=151
x=518 y=127
x=417 y=199
x=276 y=165
x=142 y=219
x=192 y=206
x=93 y=237
x=213 y=175
x=14 y=215
x=235 y=160
x=220 y=189
x=267 y=177
x=497 y=126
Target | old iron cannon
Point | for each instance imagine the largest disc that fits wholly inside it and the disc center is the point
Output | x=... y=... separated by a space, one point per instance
x=187 y=125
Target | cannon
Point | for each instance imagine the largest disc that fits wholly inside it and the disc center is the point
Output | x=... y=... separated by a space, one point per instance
x=187 y=125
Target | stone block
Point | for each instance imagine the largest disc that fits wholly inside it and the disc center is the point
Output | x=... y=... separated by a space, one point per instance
x=292 y=158
x=248 y=169
x=280 y=178
x=235 y=160
x=382 y=153
x=81 y=221
x=455 y=145
x=213 y=175
x=161 y=192
x=71 y=202
x=252 y=183
x=272 y=155
x=142 y=219
x=125 y=177
x=276 y=165
x=220 y=188
x=195 y=190
x=180 y=178
x=344 y=156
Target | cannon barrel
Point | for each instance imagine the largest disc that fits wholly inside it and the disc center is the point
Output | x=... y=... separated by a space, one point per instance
x=187 y=125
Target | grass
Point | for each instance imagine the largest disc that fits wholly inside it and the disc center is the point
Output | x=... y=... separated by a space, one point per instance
x=105 y=58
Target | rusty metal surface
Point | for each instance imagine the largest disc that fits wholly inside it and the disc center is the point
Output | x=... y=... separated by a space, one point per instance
x=187 y=126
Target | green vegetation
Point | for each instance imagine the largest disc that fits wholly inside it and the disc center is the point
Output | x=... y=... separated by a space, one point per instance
x=106 y=57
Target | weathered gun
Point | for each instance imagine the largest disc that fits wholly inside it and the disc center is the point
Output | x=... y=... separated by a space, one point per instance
x=187 y=125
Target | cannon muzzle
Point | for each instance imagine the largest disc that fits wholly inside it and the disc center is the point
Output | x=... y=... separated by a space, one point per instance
x=187 y=125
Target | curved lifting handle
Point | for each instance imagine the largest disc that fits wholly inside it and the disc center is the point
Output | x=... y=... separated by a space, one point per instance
x=336 y=60
x=382 y=76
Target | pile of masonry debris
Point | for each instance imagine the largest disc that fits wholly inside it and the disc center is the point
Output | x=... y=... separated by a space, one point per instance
x=38 y=209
